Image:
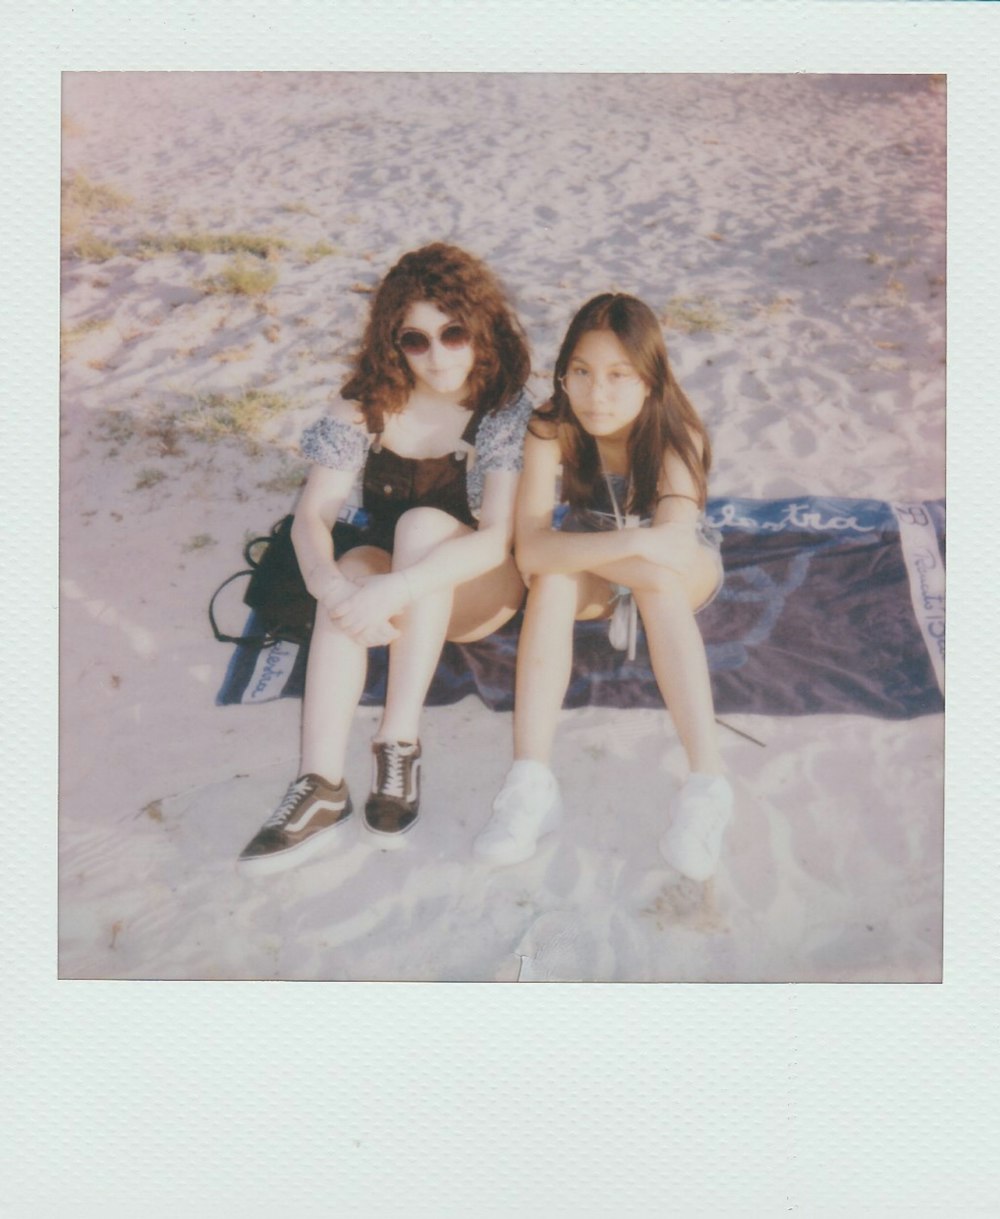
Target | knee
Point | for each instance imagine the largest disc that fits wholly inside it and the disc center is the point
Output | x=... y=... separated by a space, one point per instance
x=419 y=529
x=661 y=582
x=554 y=591
x=363 y=561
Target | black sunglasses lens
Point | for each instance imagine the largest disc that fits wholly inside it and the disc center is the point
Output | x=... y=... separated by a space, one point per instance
x=454 y=336
x=413 y=343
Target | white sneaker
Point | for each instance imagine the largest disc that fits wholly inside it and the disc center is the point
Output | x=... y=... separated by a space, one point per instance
x=527 y=807
x=701 y=811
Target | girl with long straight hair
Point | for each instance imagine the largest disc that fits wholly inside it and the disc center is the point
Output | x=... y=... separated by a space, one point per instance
x=634 y=460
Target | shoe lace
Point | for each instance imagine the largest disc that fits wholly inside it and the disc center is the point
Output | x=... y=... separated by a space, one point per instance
x=391 y=779
x=296 y=790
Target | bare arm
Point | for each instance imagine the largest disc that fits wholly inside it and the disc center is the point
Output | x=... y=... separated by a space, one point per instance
x=540 y=548
x=319 y=505
x=671 y=541
x=452 y=562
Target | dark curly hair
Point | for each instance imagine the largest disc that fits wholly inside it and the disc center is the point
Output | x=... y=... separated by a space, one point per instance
x=467 y=290
x=666 y=422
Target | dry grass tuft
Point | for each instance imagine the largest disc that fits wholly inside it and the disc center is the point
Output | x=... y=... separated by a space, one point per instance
x=84 y=201
x=68 y=335
x=158 y=432
x=199 y=542
x=320 y=249
x=286 y=481
x=148 y=477
x=260 y=245
x=234 y=355
x=241 y=278
x=81 y=195
x=220 y=416
x=692 y=315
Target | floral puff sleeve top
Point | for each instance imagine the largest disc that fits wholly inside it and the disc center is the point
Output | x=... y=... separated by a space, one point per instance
x=499 y=444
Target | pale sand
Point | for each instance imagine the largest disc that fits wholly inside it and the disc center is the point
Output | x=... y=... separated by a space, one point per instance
x=802 y=216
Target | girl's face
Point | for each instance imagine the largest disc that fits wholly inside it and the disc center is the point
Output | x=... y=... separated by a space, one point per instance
x=605 y=392
x=438 y=350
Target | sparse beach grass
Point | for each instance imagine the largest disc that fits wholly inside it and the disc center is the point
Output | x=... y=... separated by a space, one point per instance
x=90 y=248
x=287 y=480
x=210 y=417
x=774 y=307
x=319 y=249
x=68 y=335
x=148 y=477
x=199 y=542
x=241 y=278
x=84 y=202
x=240 y=416
x=693 y=314
x=83 y=198
x=260 y=245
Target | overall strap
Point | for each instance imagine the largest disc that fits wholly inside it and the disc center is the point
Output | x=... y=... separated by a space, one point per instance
x=471 y=428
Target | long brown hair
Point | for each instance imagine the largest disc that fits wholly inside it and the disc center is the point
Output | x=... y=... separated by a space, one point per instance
x=467 y=290
x=667 y=422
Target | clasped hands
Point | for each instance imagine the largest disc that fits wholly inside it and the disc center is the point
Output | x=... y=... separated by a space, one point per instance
x=364 y=607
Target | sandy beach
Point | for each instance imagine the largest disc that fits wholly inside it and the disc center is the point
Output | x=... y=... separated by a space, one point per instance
x=222 y=234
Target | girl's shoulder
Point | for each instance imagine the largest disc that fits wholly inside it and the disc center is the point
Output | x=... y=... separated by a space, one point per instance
x=500 y=436
x=337 y=440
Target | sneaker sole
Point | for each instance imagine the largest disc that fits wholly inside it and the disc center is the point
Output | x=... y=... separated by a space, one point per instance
x=676 y=857
x=393 y=840
x=267 y=865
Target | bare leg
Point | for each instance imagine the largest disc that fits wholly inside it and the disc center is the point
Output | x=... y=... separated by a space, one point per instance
x=335 y=679
x=701 y=810
x=529 y=805
x=666 y=601
x=469 y=611
x=545 y=656
x=677 y=653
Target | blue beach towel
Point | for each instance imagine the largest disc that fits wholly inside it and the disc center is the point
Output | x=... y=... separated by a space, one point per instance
x=829 y=605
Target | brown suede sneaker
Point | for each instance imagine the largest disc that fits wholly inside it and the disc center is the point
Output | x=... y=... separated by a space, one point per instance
x=298 y=827
x=391 y=809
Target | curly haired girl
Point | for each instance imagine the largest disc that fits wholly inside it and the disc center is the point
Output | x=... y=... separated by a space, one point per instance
x=433 y=419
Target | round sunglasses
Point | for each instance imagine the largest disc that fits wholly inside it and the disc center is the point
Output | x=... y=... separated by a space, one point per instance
x=416 y=343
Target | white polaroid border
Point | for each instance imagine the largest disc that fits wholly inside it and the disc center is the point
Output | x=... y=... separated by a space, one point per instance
x=257 y=1099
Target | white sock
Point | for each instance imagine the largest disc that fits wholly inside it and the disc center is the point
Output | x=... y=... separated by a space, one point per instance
x=700 y=781
x=528 y=768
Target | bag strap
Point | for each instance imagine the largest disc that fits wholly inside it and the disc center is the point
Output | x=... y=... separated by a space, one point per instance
x=221 y=636
x=248 y=549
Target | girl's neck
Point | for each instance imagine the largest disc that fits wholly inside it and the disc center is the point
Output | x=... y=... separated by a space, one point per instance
x=613 y=456
x=426 y=400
